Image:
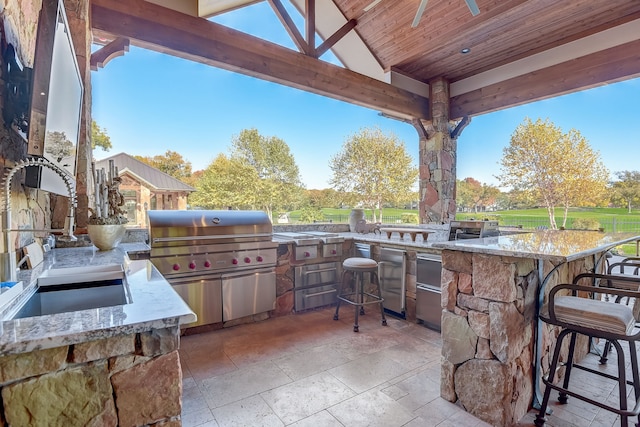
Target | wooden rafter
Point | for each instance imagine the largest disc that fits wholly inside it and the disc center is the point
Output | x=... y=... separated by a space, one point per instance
x=115 y=48
x=303 y=46
x=335 y=37
x=310 y=25
x=154 y=27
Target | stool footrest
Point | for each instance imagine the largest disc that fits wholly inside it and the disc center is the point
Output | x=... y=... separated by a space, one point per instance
x=373 y=299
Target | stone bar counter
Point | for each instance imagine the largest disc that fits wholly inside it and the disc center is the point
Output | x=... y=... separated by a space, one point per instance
x=107 y=366
x=494 y=348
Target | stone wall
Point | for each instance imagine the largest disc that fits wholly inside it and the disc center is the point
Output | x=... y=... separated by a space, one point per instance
x=132 y=380
x=488 y=331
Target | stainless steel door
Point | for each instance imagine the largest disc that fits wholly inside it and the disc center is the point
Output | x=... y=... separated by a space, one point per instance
x=428 y=306
x=244 y=294
x=317 y=296
x=391 y=272
x=203 y=295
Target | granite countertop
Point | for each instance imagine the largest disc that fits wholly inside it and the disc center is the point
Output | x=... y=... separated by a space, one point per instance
x=552 y=245
x=155 y=305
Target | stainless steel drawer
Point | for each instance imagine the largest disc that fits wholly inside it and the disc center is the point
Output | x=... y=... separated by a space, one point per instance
x=428 y=307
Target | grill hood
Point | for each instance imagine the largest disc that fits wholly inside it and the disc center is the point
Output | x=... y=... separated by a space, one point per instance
x=180 y=228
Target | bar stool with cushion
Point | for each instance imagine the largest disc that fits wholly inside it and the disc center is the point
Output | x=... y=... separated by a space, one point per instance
x=609 y=321
x=353 y=271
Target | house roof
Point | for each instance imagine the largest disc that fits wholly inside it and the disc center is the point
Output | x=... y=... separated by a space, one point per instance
x=150 y=176
x=519 y=50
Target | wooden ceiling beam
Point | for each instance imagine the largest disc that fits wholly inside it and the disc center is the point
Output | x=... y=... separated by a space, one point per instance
x=154 y=27
x=115 y=48
x=607 y=66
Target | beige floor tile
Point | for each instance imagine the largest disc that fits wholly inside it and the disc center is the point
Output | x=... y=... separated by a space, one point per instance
x=252 y=411
x=310 y=361
x=368 y=371
x=201 y=418
x=319 y=419
x=243 y=383
x=302 y=398
x=371 y=409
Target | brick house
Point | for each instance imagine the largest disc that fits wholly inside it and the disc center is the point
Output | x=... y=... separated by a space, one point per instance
x=145 y=187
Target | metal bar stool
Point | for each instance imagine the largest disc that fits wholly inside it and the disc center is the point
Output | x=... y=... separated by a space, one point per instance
x=355 y=294
x=612 y=322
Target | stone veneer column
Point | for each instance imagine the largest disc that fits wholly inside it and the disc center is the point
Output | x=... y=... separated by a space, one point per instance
x=488 y=331
x=437 y=163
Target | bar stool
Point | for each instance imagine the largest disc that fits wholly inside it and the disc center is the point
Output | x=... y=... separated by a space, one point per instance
x=355 y=294
x=609 y=321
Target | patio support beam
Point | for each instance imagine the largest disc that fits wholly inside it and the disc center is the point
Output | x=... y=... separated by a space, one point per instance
x=164 y=30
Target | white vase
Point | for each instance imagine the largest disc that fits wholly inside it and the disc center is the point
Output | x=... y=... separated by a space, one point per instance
x=355 y=216
x=106 y=237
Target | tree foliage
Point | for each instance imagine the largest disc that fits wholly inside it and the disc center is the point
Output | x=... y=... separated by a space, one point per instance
x=58 y=146
x=560 y=169
x=376 y=168
x=279 y=186
x=225 y=183
x=171 y=163
x=472 y=194
x=99 y=137
x=626 y=190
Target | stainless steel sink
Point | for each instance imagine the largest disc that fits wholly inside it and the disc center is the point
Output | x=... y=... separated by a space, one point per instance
x=66 y=290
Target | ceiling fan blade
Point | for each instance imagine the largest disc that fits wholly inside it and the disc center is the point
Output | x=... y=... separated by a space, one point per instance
x=421 y=8
x=372 y=5
x=473 y=7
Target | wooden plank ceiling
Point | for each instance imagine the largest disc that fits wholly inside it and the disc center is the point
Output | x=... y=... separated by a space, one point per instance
x=520 y=50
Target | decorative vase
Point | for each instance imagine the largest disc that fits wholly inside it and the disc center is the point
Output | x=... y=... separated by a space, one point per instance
x=355 y=216
x=106 y=236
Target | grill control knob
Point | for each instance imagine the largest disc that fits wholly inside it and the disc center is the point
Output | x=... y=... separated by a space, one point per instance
x=259 y=258
x=247 y=260
x=307 y=254
x=176 y=267
x=234 y=261
x=192 y=265
x=207 y=264
x=333 y=252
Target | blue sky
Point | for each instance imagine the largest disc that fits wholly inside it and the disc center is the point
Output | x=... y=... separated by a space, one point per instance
x=150 y=103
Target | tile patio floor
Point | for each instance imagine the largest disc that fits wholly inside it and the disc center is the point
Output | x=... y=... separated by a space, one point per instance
x=309 y=370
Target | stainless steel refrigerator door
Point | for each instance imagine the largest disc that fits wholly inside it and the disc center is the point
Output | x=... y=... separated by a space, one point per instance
x=391 y=271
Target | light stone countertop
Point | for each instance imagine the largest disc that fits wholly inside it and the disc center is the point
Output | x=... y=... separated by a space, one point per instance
x=552 y=245
x=155 y=305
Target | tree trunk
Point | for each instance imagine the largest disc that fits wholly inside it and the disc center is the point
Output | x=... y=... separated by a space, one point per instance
x=629 y=206
x=564 y=218
x=552 y=217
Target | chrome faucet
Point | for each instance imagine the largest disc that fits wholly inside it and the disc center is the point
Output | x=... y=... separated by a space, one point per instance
x=9 y=264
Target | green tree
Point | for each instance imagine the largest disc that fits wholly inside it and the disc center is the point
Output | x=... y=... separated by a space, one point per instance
x=225 y=183
x=99 y=137
x=626 y=190
x=560 y=169
x=472 y=194
x=279 y=185
x=376 y=168
x=171 y=163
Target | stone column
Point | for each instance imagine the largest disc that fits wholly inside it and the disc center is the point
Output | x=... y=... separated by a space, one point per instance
x=437 y=161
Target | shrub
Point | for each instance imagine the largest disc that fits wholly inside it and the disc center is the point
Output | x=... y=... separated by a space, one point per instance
x=585 y=224
x=410 y=218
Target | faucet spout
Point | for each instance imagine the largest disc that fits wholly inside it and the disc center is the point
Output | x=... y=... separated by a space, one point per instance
x=69 y=182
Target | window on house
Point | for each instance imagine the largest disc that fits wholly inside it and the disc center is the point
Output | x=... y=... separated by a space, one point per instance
x=130 y=205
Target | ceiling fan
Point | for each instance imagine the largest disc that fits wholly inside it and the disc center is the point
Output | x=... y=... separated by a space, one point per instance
x=471 y=4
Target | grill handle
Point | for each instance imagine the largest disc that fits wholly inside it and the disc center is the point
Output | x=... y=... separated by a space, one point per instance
x=208 y=237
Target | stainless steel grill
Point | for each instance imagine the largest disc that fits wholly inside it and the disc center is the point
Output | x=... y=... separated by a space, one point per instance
x=473 y=229
x=222 y=263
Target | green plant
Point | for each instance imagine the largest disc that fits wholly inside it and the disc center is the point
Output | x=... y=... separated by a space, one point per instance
x=585 y=224
x=409 y=218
